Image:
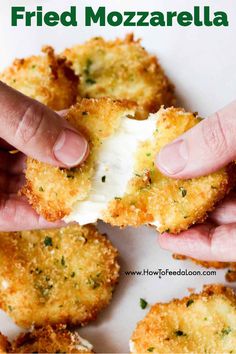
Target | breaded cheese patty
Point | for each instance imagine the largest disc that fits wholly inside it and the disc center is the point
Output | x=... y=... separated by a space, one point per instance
x=65 y=275
x=200 y=323
x=51 y=340
x=121 y=69
x=46 y=78
x=119 y=182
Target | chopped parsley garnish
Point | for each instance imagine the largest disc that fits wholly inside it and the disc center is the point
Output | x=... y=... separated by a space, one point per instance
x=143 y=303
x=72 y=275
x=10 y=308
x=150 y=350
x=189 y=302
x=117 y=198
x=103 y=179
x=226 y=331
x=90 y=81
x=180 y=333
x=41 y=189
x=93 y=283
x=48 y=241
x=183 y=191
x=148 y=154
x=88 y=66
x=63 y=262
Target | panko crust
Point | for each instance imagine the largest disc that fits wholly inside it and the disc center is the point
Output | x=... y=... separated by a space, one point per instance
x=199 y=323
x=49 y=339
x=64 y=275
x=173 y=205
x=121 y=69
x=46 y=78
x=52 y=191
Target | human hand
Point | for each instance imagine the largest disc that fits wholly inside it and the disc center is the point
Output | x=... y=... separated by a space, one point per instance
x=204 y=149
x=36 y=131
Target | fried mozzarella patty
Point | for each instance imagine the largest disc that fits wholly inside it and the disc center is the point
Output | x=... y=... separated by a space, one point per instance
x=121 y=69
x=46 y=78
x=199 y=323
x=64 y=275
x=49 y=339
x=119 y=182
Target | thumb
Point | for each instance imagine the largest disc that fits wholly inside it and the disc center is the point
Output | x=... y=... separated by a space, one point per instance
x=203 y=149
x=39 y=132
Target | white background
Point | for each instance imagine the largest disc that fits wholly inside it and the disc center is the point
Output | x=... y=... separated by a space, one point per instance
x=201 y=61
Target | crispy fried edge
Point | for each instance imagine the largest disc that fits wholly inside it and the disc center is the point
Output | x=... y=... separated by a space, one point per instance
x=43 y=334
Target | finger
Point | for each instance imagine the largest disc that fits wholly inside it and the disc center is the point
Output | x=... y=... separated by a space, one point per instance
x=11 y=183
x=39 y=132
x=12 y=163
x=203 y=149
x=17 y=215
x=225 y=213
x=204 y=242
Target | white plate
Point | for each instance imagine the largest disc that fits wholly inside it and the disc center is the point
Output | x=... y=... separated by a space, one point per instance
x=201 y=63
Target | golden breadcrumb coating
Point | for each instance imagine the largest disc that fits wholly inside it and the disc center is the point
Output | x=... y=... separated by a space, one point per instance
x=46 y=78
x=50 y=340
x=173 y=205
x=65 y=275
x=4 y=344
x=230 y=276
x=199 y=323
x=121 y=69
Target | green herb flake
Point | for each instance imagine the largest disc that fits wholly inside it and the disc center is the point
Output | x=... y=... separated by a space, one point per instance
x=180 y=333
x=148 y=154
x=48 y=241
x=72 y=275
x=103 y=179
x=150 y=350
x=93 y=283
x=117 y=198
x=10 y=308
x=41 y=189
x=189 y=302
x=183 y=191
x=63 y=262
x=143 y=303
x=90 y=81
x=226 y=331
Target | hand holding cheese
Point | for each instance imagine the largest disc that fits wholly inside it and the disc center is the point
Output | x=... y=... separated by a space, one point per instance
x=204 y=149
x=119 y=182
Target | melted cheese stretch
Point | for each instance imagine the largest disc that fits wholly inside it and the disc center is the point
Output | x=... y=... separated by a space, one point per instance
x=114 y=168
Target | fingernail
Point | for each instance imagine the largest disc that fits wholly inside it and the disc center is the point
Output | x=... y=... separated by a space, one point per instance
x=70 y=148
x=173 y=157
